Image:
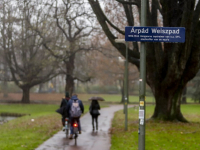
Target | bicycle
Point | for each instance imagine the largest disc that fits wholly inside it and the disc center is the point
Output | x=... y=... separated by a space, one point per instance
x=67 y=127
x=75 y=130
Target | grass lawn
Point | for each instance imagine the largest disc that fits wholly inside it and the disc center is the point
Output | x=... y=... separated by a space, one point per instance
x=23 y=133
x=159 y=135
x=56 y=98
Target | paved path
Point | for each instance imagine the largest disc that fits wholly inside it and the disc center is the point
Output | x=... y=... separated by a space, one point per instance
x=88 y=140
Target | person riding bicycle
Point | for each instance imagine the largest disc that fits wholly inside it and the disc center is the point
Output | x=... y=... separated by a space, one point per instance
x=75 y=108
x=63 y=105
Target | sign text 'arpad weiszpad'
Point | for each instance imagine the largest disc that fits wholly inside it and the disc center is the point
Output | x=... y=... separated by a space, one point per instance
x=155 y=34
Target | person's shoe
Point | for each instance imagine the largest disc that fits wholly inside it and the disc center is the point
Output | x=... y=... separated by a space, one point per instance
x=71 y=136
x=79 y=132
x=63 y=128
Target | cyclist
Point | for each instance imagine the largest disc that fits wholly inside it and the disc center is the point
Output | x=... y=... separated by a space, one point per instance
x=75 y=113
x=63 y=105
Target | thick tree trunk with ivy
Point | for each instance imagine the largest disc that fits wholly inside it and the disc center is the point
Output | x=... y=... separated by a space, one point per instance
x=168 y=103
x=169 y=66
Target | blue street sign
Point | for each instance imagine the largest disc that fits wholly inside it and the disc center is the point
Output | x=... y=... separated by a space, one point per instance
x=155 y=34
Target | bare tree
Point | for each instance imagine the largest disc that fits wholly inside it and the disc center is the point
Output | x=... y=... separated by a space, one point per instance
x=169 y=65
x=74 y=28
x=28 y=61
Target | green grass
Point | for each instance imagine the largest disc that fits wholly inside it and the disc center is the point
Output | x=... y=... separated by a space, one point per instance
x=115 y=98
x=24 y=134
x=159 y=135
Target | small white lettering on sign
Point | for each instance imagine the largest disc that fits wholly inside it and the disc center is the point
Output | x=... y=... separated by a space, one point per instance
x=165 y=31
x=138 y=31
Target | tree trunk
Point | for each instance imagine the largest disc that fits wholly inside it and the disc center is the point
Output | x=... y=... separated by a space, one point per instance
x=69 y=76
x=168 y=105
x=69 y=84
x=26 y=95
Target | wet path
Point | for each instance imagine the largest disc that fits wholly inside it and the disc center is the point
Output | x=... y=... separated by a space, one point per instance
x=88 y=140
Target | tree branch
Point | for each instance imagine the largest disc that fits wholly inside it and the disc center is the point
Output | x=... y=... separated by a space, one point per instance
x=102 y=20
x=129 y=3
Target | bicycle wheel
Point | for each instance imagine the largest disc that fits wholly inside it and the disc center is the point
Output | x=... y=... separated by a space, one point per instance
x=67 y=127
x=75 y=138
x=67 y=132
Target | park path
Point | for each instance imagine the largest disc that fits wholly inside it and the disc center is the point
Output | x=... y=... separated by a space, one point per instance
x=88 y=140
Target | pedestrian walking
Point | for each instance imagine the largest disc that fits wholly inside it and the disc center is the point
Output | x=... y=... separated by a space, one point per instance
x=94 y=112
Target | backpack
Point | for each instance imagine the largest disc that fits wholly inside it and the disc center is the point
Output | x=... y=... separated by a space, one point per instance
x=75 y=110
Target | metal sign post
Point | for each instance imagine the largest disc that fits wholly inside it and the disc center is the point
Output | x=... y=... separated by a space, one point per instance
x=125 y=83
x=126 y=89
x=142 y=88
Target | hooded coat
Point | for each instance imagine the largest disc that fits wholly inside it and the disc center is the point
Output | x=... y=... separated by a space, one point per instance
x=69 y=104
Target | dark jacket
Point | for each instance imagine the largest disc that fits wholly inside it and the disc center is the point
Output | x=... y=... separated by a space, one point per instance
x=94 y=108
x=64 y=102
x=69 y=104
x=63 y=106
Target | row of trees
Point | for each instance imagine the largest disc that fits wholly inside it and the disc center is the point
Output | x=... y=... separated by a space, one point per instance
x=43 y=39
x=40 y=40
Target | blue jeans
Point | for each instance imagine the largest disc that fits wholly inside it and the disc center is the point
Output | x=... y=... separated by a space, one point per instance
x=72 y=122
